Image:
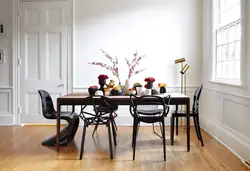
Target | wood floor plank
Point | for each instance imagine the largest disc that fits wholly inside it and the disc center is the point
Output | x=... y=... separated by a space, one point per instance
x=21 y=150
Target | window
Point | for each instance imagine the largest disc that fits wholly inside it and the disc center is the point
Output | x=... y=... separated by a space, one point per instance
x=227 y=40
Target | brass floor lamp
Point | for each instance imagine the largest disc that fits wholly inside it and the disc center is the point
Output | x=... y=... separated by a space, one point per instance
x=184 y=68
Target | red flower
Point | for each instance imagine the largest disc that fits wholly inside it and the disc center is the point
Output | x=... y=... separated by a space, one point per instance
x=102 y=77
x=93 y=87
x=146 y=85
x=149 y=79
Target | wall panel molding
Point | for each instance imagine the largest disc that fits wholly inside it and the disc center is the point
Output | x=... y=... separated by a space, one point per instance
x=225 y=117
x=5 y=101
x=237 y=143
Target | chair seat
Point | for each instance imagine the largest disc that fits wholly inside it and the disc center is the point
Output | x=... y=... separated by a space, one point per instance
x=150 y=112
x=105 y=109
x=150 y=119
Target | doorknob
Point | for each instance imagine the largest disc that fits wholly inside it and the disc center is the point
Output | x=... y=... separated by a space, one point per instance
x=61 y=85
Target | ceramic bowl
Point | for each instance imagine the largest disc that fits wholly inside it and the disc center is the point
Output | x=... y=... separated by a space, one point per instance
x=132 y=92
x=116 y=92
x=98 y=93
x=92 y=91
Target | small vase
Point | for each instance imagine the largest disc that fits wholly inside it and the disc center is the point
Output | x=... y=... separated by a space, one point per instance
x=162 y=90
x=127 y=86
x=102 y=84
x=149 y=85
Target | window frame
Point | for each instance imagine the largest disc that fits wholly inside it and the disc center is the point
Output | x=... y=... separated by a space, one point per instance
x=242 y=76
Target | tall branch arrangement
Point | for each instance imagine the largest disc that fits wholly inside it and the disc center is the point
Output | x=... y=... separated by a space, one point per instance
x=132 y=65
x=113 y=67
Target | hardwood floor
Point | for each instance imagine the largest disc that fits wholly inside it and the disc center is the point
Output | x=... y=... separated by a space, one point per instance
x=21 y=150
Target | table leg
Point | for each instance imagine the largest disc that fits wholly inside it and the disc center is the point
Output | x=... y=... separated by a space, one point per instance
x=73 y=108
x=58 y=125
x=188 y=125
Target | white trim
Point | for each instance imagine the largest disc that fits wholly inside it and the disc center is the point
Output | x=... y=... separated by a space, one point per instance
x=225 y=92
x=227 y=82
x=243 y=56
x=226 y=134
x=15 y=55
x=70 y=47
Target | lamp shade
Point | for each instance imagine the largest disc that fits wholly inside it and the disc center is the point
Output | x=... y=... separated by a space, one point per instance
x=179 y=60
x=184 y=69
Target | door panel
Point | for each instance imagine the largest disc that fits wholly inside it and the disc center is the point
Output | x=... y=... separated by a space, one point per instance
x=43 y=49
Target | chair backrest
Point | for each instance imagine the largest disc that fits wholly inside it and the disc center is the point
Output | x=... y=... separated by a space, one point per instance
x=148 y=105
x=100 y=104
x=196 y=99
x=47 y=105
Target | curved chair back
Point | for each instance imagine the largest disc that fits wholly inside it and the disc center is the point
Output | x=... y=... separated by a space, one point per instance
x=47 y=105
x=147 y=105
x=100 y=104
x=196 y=99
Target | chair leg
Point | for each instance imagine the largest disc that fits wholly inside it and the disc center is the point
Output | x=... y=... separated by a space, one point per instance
x=198 y=126
x=110 y=141
x=172 y=131
x=177 y=124
x=83 y=139
x=115 y=124
x=195 y=125
x=135 y=135
x=113 y=130
x=164 y=139
x=96 y=126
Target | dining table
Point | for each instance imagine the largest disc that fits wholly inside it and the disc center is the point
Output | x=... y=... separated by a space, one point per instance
x=80 y=98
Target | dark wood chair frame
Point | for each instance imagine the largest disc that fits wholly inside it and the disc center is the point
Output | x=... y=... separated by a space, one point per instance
x=103 y=115
x=194 y=113
x=148 y=116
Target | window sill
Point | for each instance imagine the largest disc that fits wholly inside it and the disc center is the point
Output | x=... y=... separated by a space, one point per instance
x=223 y=82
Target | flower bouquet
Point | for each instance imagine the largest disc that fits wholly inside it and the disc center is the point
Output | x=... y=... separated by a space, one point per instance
x=150 y=81
x=113 y=67
x=116 y=91
x=92 y=90
x=132 y=65
x=102 y=81
x=162 y=87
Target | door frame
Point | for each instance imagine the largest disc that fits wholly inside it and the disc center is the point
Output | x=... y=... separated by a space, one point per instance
x=16 y=55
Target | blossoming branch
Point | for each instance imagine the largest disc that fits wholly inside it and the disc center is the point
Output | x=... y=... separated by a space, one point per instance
x=132 y=66
x=113 y=67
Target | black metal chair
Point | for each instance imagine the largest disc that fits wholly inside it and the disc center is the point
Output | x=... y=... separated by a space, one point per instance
x=69 y=131
x=104 y=108
x=194 y=113
x=149 y=109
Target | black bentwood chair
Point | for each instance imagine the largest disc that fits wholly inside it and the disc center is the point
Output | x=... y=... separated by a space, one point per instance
x=194 y=113
x=68 y=132
x=149 y=109
x=103 y=115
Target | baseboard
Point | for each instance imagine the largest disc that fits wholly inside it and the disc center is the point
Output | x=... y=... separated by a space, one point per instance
x=246 y=165
x=235 y=142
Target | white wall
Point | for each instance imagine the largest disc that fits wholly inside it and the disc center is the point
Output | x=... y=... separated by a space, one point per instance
x=6 y=115
x=163 y=30
x=226 y=108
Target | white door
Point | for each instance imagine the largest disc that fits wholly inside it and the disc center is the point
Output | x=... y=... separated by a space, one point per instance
x=43 y=53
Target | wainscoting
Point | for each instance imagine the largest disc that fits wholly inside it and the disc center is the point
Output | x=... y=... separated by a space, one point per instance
x=6 y=106
x=227 y=118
